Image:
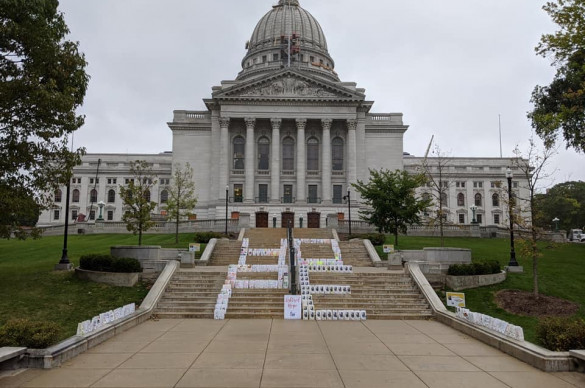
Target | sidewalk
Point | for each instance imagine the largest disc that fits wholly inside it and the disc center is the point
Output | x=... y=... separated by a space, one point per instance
x=277 y=353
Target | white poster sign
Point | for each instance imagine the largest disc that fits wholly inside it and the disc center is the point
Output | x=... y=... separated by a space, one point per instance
x=292 y=307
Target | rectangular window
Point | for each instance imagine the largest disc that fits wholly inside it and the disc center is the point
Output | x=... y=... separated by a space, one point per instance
x=460 y=185
x=92 y=215
x=461 y=218
x=128 y=180
x=94 y=181
x=112 y=181
x=238 y=193
x=287 y=194
x=496 y=219
x=313 y=194
x=74 y=214
x=312 y=59
x=515 y=185
x=263 y=193
x=275 y=57
x=496 y=184
x=110 y=216
x=479 y=218
x=56 y=214
x=264 y=58
x=477 y=185
x=76 y=180
x=337 y=190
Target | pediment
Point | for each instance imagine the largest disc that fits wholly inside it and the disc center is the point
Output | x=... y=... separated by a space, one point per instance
x=289 y=85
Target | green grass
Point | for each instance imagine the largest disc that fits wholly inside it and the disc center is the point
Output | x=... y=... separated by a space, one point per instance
x=31 y=289
x=561 y=273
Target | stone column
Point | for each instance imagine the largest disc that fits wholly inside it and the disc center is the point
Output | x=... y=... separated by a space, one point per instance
x=224 y=123
x=326 y=162
x=351 y=152
x=250 y=159
x=301 y=160
x=275 y=162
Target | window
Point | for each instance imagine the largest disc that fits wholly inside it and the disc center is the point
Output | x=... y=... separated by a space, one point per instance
x=75 y=180
x=461 y=218
x=515 y=185
x=496 y=219
x=164 y=196
x=263 y=154
x=94 y=181
x=312 y=58
x=288 y=154
x=93 y=195
x=239 y=153
x=75 y=196
x=337 y=154
x=110 y=216
x=313 y=194
x=337 y=190
x=478 y=185
x=444 y=199
x=478 y=199
x=444 y=184
x=128 y=180
x=238 y=193
x=275 y=57
x=426 y=196
x=496 y=184
x=460 y=184
x=287 y=198
x=147 y=181
x=147 y=195
x=479 y=218
x=56 y=214
x=165 y=181
x=111 y=196
x=112 y=181
x=58 y=195
x=92 y=214
x=74 y=215
x=495 y=200
x=313 y=154
x=460 y=199
x=263 y=193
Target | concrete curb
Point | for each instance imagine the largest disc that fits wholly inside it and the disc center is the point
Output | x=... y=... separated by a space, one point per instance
x=204 y=260
x=373 y=254
x=335 y=235
x=75 y=345
x=242 y=233
x=530 y=353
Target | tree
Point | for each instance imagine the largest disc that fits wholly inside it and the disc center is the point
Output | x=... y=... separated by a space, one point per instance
x=391 y=201
x=565 y=201
x=42 y=83
x=560 y=107
x=136 y=199
x=532 y=167
x=182 y=198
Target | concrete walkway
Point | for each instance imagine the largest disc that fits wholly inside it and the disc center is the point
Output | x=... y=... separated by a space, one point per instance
x=277 y=353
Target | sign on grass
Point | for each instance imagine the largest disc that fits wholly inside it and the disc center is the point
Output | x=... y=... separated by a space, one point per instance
x=194 y=247
x=388 y=248
x=456 y=299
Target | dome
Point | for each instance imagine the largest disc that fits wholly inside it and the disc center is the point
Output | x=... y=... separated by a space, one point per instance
x=265 y=47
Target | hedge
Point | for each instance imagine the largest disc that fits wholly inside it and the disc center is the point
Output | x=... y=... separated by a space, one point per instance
x=480 y=268
x=204 y=237
x=561 y=334
x=375 y=238
x=30 y=334
x=108 y=263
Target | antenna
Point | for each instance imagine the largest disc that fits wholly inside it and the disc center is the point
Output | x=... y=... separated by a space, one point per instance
x=500 y=126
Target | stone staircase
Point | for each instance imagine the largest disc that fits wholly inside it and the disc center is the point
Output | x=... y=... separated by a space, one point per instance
x=355 y=253
x=226 y=252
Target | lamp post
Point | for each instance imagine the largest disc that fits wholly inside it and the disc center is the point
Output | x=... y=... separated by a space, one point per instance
x=473 y=210
x=64 y=264
x=556 y=221
x=348 y=198
x=227 y=188
x=513 y=262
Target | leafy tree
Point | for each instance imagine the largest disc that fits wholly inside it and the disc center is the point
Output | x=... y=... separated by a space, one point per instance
x=136 y=199
x=42 y=83
x=391 y=201
x=182 y=198
x=560 y=106
x=565 y=201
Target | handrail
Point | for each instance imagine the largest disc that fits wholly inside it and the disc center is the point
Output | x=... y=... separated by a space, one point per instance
x=292 y=256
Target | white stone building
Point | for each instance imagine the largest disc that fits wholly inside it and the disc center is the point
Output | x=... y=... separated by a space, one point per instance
x=284 y=140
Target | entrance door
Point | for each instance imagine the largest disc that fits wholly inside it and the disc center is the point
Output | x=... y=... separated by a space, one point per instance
x=286 y=218
x=314 y=220
x=262 y=220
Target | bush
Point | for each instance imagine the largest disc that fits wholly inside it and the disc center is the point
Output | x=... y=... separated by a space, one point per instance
x=108 y=263
x=375 y=238
x=204 y=237
x=22 y=332
x=561 y=334
x=479 y=268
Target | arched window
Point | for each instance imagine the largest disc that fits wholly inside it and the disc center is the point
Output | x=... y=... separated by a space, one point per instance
x=444 y=199
x=495 y=200
x=478 y=199
x=164 y=196
x=426 y=196
x=313 y=154
x=111 y=196
x=147 y=195
x=337 y=154
x=239 y=153
x=460 y=199
x=263 y=153
x=58 y=195
x=75 y=196
x=288 y=154
x=93 y=195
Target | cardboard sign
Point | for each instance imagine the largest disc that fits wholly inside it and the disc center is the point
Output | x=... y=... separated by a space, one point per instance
x=292 y=307
x=194 y=247
x=456 y=299
x=388 y=248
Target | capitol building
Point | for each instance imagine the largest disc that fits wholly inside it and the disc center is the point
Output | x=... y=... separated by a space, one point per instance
x=285 y=139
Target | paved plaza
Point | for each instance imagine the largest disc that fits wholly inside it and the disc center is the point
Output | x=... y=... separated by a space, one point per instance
x=277 y=353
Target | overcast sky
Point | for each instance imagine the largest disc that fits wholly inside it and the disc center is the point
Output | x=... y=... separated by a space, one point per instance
x=451 y=67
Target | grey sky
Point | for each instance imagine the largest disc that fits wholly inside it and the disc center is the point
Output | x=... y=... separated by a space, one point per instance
x=450 y=66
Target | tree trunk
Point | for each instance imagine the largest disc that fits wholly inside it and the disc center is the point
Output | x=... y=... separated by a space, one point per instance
x=396 y=239
x=177 y=228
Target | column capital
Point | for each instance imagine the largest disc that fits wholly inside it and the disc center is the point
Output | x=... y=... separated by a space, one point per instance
x=276 y=123
x=326 y=123
x=352 y=124
x=224 y=122
x=301 y=123
x=250 y=122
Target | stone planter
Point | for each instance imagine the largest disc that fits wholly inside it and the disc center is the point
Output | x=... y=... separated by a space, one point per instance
x=458 y=283
x=111 y=278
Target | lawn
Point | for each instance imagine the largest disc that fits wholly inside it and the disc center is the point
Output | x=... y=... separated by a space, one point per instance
x=561 y=273
x=31 y=289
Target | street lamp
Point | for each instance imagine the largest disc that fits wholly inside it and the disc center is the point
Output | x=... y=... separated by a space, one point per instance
x=513 y=262
x=227 y=188
x=348 y=198
x=64 y=264
x=473 y=210
x=556 y=221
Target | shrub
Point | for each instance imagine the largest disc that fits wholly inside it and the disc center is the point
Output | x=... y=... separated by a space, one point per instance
x=375 y=238
x=22 y=332
x=479 y=268
x=561 y=334
x=204 y=237
x=108 y=263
